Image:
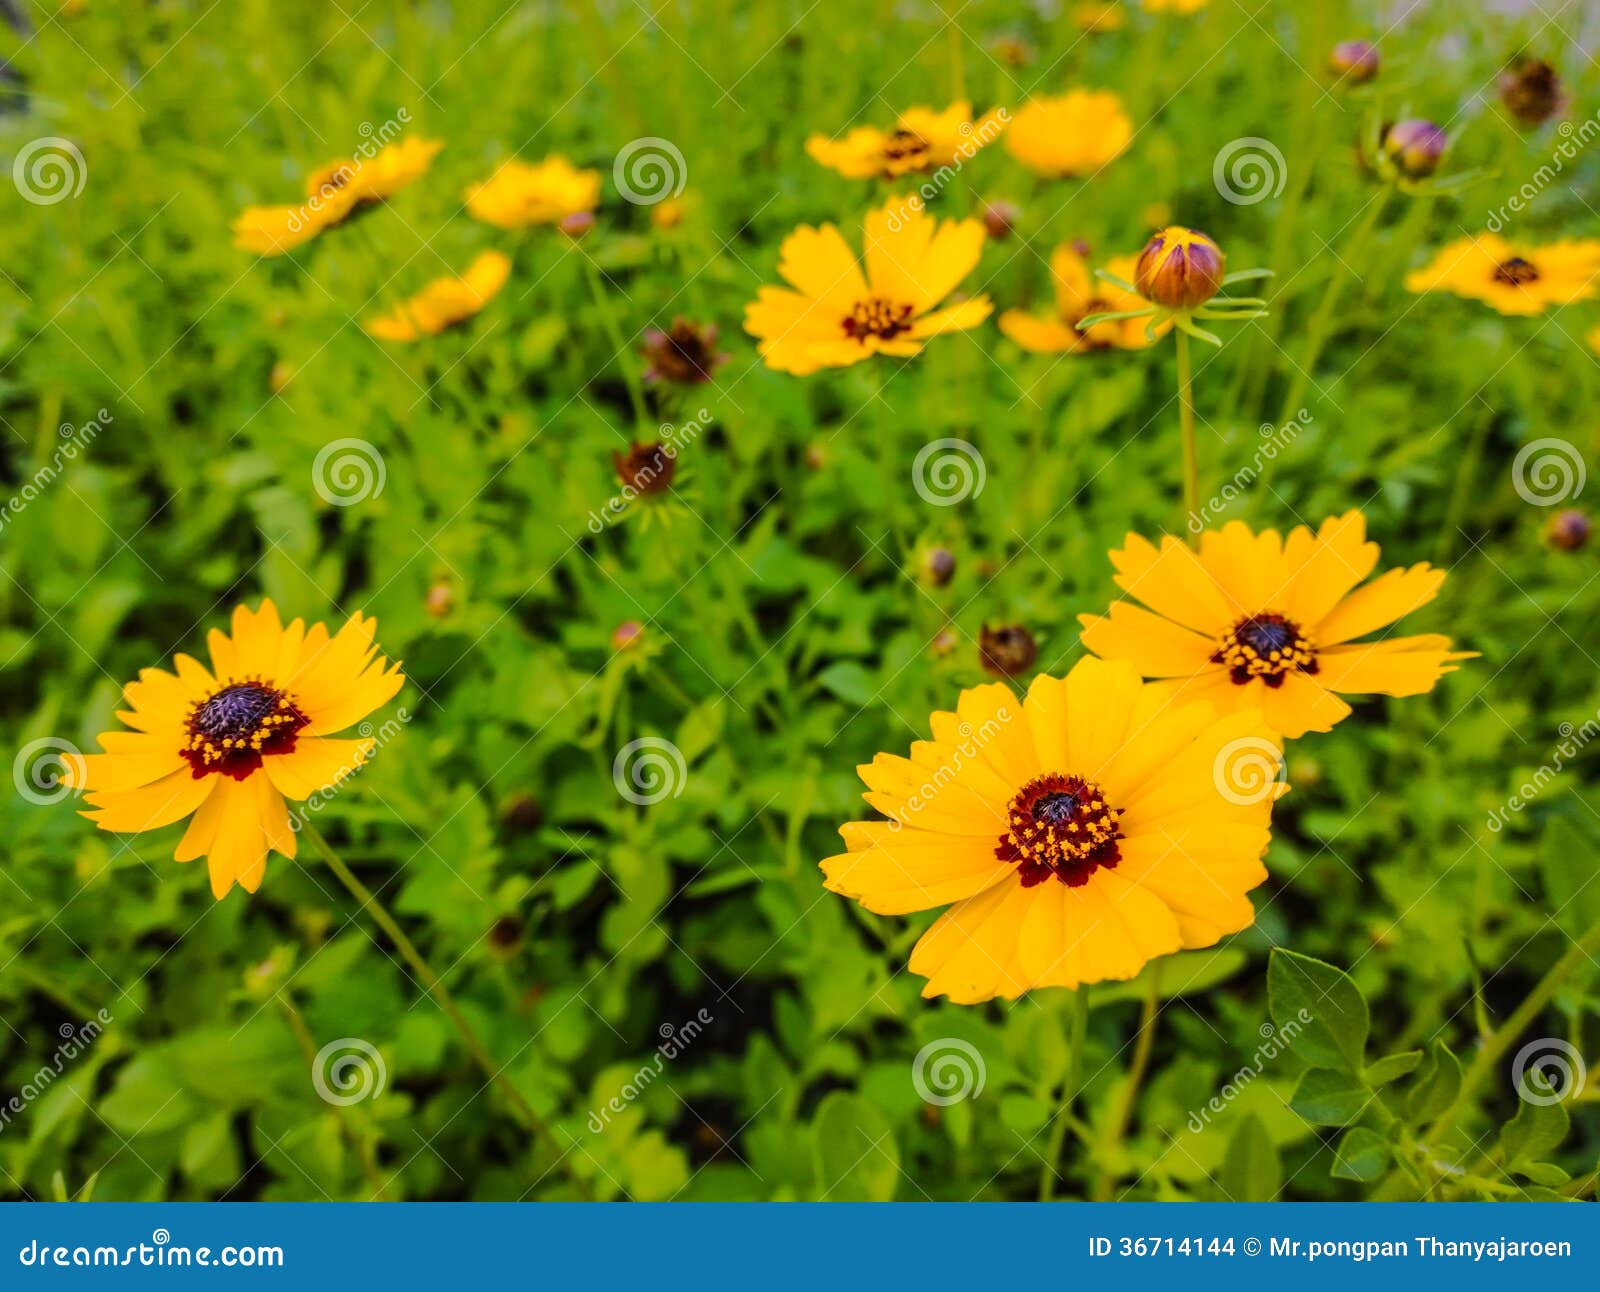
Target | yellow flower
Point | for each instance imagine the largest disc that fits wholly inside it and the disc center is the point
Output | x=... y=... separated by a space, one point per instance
x=443 y=302
x=837 y=315
x=225 y=746
x=1525 y=280
x=333 y=192
x=1097 y=18
x=1174 y=6
x=1078 y=294
x=519 y=194
x=922 y=140
x=1254 y=621
x=1075 y=835
x=1070 y=135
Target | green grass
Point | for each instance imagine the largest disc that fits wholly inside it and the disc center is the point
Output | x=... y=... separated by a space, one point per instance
x=786 y=628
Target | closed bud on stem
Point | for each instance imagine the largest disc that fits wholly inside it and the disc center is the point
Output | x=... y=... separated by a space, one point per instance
x=1000 y=218
x=1568 y=530
x=1354 y=61
x=1415 y=147
x=1180 y=269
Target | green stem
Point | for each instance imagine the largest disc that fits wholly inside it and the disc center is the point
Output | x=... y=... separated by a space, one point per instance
x=1500 y=1040
x=355 y=1141
x=437 y=990
x=1140 y=1064
x=1065 y=1120
x=608 y=318
x=1322 y=320
x=1191 y=456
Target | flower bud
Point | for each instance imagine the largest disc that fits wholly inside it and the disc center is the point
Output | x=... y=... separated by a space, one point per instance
x=1179 y=268
x=577 y=224
x=1000 y=218
x=1007 y=651
x=938 y=566
x=646 y=468
x=686 y=353
x=440 y=601
x=1354 y=61
x=943 y=644
x=522 y=813
x=1531 y=91
x=1415 y=147
x=627 y=634
x=1568 y=530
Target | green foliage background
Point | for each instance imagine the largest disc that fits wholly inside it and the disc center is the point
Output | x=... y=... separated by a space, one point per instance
x=787 y=629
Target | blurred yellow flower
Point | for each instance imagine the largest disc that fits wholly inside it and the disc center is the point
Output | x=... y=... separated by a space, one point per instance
x=1097 y=18
x=1075 y=835
x=922 y=140
x=1070 y=135
x=838 y=316
x=444 y=301
x=520 y=194
x=1174 y=6
x=225 y=746
x=333 y=192
x=1078 y=294
x=1255 y=621
x=1512 y=280
x=667 y=213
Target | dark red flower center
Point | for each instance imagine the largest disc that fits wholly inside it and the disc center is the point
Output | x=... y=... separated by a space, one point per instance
x=877 y=317
x=1265 y=646
x=1516 y=271
x=231 y=730
x=1060 y=825
x=904 y=149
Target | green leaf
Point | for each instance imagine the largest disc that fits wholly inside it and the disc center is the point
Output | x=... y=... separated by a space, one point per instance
x=850 y=682
x=1319 y=1010
x=1326 y=1097
x=1536 y=1130
x=1437 y=1085
x=854 y=1151
x=1251 y=1170
x=1362 y=1155
x=1391 y=1068
x=1567 y=862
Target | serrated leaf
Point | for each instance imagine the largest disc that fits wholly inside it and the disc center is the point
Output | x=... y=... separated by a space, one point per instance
x=1326 y=1097
x=1362 y=1154
x=1323 y=1007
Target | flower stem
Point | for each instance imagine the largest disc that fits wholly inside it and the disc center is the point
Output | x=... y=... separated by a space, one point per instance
x=1140 y=1064
x=1065 y=1119
x=1191 y=456
x=356 y=1142
x=437 y=990
x=608 y=318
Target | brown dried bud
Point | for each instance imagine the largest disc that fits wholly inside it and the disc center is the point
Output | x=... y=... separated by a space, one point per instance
x=646 y=468
x=686 y=353
x=1007 y=651
x=1531 y=91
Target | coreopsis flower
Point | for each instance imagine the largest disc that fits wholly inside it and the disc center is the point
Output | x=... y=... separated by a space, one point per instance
x=1075 y=835
x=521 y=194
x=224 y=747
x=1531 y=91
x=333 y=193
x=685 y=354
x=444 y=302
x=667 y=213
x=1255 y=621
x=837 y=315
x=1174 y=6
x=1070 y=135
x=1512 y=279
x=1354 y=61
x=1079 y=293
x=923 y=140
x=1097 y=18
